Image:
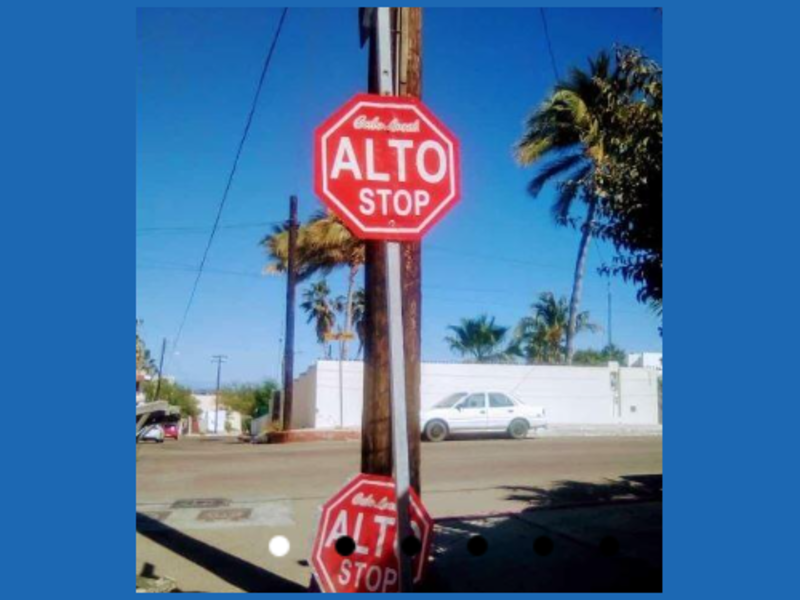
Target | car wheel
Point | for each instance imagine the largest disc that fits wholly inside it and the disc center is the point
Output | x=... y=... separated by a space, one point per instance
x=436 y=431
x=518 y=429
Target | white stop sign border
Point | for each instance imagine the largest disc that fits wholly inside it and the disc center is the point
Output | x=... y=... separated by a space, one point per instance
x=451 y=168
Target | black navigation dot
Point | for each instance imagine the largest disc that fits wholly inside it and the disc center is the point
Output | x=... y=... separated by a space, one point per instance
x=543 y=545
x=477 y=545
x=345 y=546
x=609 y=546
x=411 y=546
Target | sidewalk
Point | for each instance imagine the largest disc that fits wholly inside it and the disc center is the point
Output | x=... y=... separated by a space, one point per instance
x=601 y=431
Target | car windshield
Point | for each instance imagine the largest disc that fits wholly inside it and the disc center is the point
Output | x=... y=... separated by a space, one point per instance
x=449 y=401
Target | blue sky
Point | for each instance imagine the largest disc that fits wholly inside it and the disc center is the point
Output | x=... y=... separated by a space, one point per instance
x=484 y=70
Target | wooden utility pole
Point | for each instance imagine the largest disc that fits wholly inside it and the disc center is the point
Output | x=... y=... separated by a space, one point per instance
x=291 y=284
x=610 y=337
x=376 y=433
x=219 y=359
x=160 y=369
x=139 y=355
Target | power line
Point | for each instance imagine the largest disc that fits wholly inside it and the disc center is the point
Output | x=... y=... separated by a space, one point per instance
x=199 y=229
x=434 y=247
x=549 y=44
x=432 y=289
x=490 y=257
x=194 y=270
x=224 y=199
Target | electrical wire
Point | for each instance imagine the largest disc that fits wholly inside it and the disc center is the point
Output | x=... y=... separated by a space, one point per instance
x=549 y=44
x=198 y=229
x=433 y=290
x=223 y=201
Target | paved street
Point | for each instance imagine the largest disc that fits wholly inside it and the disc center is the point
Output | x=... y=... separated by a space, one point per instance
x=220 y=503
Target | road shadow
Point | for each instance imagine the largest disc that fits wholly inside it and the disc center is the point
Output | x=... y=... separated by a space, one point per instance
x=604 y=537
x=628 y=488
x=239 y=573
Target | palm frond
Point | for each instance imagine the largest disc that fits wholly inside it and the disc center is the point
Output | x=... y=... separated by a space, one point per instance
x=555 y=168
x=567 y=192
x=582 y=323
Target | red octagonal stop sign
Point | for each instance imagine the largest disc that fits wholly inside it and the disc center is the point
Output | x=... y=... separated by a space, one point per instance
x=387 y=167
x=364 y=510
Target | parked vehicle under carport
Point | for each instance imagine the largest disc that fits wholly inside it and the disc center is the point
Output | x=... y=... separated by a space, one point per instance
x=149 y=414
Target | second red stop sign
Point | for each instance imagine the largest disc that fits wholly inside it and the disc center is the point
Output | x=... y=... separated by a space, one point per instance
x=387 y=167
x=364 y=512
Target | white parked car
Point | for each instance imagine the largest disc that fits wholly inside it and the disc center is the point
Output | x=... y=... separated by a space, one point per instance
x=154 y=433
x=467 y=412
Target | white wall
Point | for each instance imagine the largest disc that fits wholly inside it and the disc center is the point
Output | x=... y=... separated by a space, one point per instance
x=304 y=409
x=207 y=404
x=570 y=395
x=639 y=393
x=328 y=412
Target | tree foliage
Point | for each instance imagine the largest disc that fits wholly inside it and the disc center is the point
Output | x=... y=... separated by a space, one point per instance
x=630 y=181
x=601 y=135
x=541 y=337
x=320 y=310
x=358 y=307
x=324 y=243
x=249 y=400
x=566 y=133
x=481 y=339
x=359 y=317
x=609 y=353
x=144 y=360
x=174 y=394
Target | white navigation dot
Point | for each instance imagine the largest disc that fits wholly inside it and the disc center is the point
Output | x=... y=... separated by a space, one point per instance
x=279 y=546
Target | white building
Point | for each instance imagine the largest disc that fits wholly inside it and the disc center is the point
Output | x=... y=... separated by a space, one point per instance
x=577 y=396
x=220 y=421
x=647 y=360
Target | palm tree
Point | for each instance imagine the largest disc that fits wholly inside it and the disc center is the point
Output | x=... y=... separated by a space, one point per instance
x=358 y=307
x=145 y=363
x=541 y=337
x=480 y=339
x=567 y=130
x=316 y=303
x=323 y=244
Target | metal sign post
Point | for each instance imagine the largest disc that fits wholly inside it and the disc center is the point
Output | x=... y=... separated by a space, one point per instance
x=390 y=170
x=398 y=393
x=396 y=349
x=364 y=511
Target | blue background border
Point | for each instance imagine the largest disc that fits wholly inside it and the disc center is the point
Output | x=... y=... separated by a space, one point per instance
x=69 y=249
